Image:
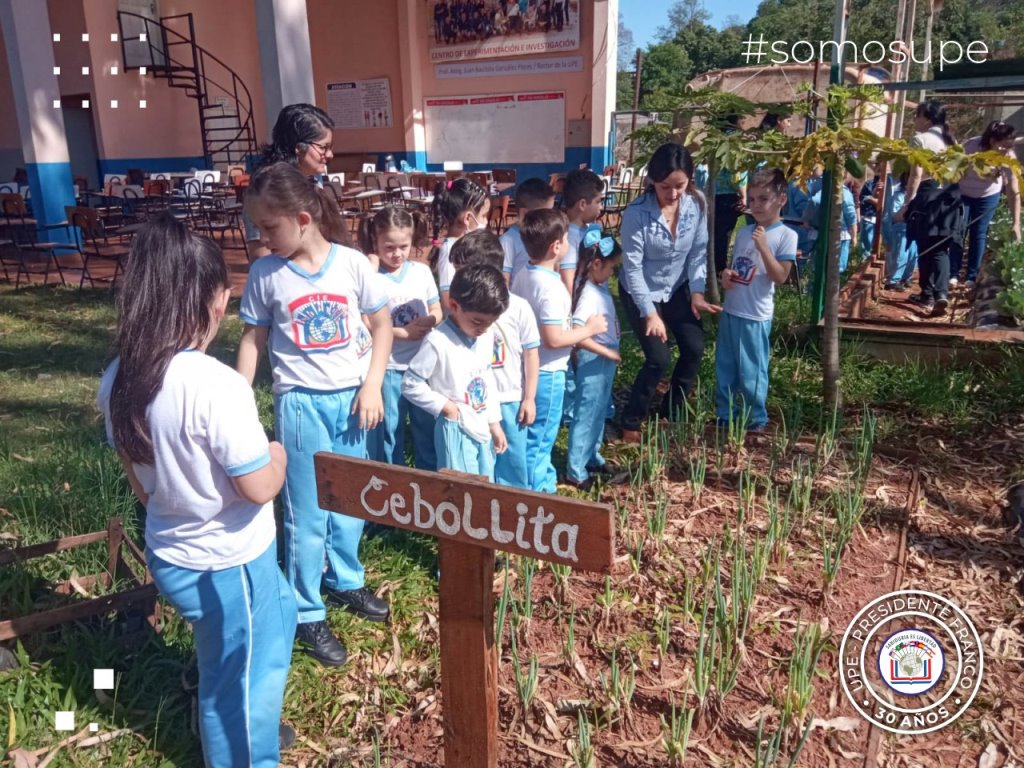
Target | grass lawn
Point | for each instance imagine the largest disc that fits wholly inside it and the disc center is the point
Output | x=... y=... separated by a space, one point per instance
x=591 y=667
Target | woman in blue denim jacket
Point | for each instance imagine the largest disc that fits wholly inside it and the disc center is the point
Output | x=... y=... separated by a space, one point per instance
x=664 y=241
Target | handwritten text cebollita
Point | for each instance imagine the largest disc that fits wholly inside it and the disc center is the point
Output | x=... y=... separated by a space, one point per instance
x=532 y=532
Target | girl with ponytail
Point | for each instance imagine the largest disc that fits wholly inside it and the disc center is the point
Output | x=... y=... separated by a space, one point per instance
x=596 y=357
x=460 y=206
x=186 y=429
x=309 y=297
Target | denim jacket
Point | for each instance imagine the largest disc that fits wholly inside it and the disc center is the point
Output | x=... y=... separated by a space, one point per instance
x=655 y=266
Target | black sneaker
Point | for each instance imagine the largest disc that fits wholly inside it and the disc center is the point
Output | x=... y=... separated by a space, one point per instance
x=361 y=602
x=580 y=485
x=940 y=307
x=920 y=298
x=601 y=469
x=316 y=639
x=285 y=736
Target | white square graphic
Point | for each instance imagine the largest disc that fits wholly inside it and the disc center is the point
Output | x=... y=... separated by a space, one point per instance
x=56 y=103
x=113 y=37
x=56 y=70
x=113 y=105
x=85 y=70
x=85 y=103
x=93 y=727
x=56 y=37
x=103 y=679
x=142 y=103
x=113 y=70
x=85 y=37
x=64 y=721
x=142 y=71
x=142 y=37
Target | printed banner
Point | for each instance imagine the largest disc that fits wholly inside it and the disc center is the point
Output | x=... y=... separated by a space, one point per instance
x=485 y=29
x=516 y=67
x=360 y=104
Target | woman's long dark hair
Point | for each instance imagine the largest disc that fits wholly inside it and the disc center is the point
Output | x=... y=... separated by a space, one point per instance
x=451 y=198
x=171 y=280
x=297 y=125
x=585 y=263
x=997 y=130
x=390 y=217
x=935 y=113
x=667 y=159
x=285 y=190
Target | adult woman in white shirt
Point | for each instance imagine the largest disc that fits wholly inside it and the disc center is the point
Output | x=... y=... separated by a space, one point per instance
x=981 y=195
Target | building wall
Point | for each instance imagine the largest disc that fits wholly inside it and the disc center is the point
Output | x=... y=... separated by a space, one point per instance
x=165 y=135
x=11 y=155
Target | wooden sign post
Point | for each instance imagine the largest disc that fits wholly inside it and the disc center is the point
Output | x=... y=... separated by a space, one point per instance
x=471 y=518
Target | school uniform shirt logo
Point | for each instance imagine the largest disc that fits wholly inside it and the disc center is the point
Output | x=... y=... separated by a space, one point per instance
x=745 y=268
x=404 y=314
x=320 y=322
x=363 y=341
x=476 y=394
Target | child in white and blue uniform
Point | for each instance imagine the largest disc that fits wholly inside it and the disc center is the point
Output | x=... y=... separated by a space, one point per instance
x=450 y=376
x=415 y=308
x=515 y=362
x=596 y=358
x=900 y=250
x=545 y=236
x=763 y=256
x=531 y=195
x=187 y=432
x=309 y=298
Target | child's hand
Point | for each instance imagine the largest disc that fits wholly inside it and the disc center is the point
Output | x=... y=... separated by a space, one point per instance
x=615 y=357
x=527 y=412
x=370 y=406
x=450 y=411
x=596 y=324
x=760 y=237
x=500 y=441
x=416 y=330
x=728 y=276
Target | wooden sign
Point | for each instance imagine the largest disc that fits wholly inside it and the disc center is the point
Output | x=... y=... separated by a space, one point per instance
x=471 y=518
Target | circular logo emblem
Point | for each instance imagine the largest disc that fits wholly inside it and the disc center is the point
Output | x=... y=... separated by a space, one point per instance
x=911 y=662
x=322 y=327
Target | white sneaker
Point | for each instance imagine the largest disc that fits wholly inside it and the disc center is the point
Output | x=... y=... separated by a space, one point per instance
x=953 y=282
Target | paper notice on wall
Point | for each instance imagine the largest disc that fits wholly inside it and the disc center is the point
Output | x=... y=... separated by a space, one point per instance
x=360 y=104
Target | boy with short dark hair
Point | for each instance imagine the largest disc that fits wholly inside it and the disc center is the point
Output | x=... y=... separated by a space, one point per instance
x=531 y=195
x=450 y=376
x=763 y=255
x=544 y=234
x=583 y=200
x=515 y=362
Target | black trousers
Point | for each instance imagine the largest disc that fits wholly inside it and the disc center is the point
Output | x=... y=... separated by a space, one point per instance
x=689 y=335
x=726 y=217
x=933 y=266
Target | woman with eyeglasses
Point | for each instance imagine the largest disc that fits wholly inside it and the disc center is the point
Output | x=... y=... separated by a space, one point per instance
x=981 y=195
x=303 y=136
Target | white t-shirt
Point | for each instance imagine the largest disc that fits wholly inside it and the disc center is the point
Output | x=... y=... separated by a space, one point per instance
x=205 y=431
x=514 y=332
x=753 y=295
x=317 y=337
x=930 y=139
x=411 y=292
x=597 y=300
x=576 y=233
x=445 y=270
x=545 y=292
x=516 y=258
x=452 y=366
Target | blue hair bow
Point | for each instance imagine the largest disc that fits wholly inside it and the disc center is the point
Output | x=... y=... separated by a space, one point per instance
x=592 y=237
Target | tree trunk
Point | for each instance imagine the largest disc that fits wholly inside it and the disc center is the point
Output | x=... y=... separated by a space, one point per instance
x=711 y=285
x=830 y=332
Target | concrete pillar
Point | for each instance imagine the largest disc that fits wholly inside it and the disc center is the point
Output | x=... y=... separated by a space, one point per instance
x=29 y=45
x=286 y=62
x=411 y=55
x=606 y=30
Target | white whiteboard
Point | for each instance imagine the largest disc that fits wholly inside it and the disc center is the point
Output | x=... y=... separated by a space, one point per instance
x=494 y=129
